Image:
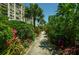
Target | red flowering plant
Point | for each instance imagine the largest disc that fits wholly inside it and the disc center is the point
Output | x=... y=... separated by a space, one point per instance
x=14 y=31
x=22 y=30
x=5 y=35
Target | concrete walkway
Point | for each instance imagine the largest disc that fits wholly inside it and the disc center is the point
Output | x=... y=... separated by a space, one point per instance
x=36 y=50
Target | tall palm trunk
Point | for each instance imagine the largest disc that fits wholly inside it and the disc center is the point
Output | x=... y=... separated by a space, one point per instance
x=33 y=18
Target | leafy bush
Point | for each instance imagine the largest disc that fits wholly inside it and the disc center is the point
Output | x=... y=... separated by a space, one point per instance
x=5 y=35
x=4 y=19
x=64 y=25
x=24 y=30
x=26 y=44
x=55 y=29
x=16 y=48
x=58 y=29
x=37 y=30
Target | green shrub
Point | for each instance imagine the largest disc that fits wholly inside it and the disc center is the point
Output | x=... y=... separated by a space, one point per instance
x=37 y=30
x=4 y=19
x=24 y=30
x=26 y=44
x=16 y=48
x=5 y=34
x=64 y=25
x=58 y=29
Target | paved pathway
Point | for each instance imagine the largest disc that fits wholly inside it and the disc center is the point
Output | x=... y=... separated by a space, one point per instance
x=36 y=50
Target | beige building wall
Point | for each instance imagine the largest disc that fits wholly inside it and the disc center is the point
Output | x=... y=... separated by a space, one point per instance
x=16 y=11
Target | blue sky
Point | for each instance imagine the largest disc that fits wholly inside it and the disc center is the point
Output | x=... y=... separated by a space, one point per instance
x=48 y=9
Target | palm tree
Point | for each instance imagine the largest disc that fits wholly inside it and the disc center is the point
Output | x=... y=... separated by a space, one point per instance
x=34 y=12
x=42 y=21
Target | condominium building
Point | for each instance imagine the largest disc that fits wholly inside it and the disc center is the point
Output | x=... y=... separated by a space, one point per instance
x=14 y=11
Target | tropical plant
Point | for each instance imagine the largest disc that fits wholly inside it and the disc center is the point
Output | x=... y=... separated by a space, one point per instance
x=37 y=30
x=64 y=25
x=33 y=12
x=24 y=30
x=5 y=36
x=16 y=48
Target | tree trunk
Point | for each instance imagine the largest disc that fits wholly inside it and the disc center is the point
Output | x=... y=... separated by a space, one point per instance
x=34 y=22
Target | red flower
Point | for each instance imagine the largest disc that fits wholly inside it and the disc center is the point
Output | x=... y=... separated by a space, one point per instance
x=14 y=34
x=7 y=42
